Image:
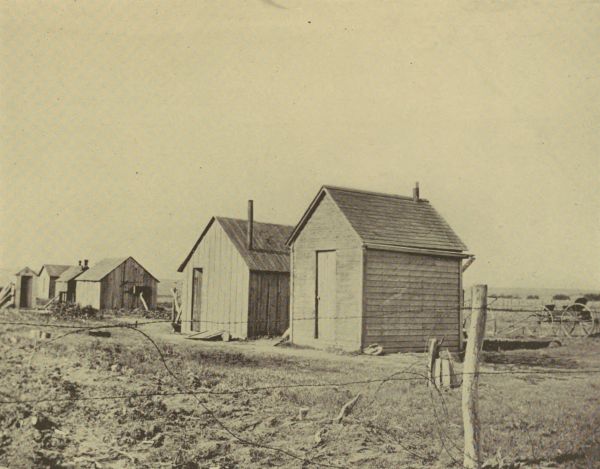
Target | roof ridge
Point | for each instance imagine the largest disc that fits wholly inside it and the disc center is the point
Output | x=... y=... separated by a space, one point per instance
x=379 y=194
x=255 y=221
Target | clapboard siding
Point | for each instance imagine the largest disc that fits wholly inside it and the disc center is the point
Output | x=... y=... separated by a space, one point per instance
x=225 y=285
x=268 y=306
x=410 y=298
x=327 y=229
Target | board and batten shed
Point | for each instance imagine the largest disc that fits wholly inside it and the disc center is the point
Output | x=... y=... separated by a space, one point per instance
x=236 y=279
x=371 y=268
x=116 y=284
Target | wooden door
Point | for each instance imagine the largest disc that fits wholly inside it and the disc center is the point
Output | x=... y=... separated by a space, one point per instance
x=52 y=288
x=196 y=300
x=326 y=296
x=26 y=290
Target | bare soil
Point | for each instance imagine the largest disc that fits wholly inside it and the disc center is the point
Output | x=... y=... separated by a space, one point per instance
x=95 y=402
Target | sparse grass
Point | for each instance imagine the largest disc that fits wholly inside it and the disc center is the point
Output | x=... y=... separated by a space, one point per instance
x=530 y=417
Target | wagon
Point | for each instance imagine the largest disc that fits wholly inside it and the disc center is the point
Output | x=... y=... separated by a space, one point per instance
x=576 y=319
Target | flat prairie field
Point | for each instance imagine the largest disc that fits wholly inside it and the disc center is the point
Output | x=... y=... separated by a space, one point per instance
x=144 y=397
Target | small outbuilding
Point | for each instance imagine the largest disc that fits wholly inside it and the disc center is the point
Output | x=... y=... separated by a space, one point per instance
x=236 y=279
x=66 y=283
x=25 y=288
x=47 y=277
x=371 y=268
x=116 y=284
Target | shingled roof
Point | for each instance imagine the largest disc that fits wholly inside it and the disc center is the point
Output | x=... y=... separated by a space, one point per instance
x=386 y=219
x=105 y=267
x=26 y=271
x=54 y=270
x=269 y=252
x=100 y=270
x=70 y=273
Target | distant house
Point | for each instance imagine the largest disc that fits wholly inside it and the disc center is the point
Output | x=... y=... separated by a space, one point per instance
x=48 y=276
x=116 y=284
x=236 y=278
x=374 y=268
x=66 y=283
x=25 y=288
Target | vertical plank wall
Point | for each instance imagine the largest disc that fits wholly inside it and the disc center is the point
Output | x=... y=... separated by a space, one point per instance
x=225 y=284
x=327 y=229
x=410 y=298
x=117 y=287
x=268 y=305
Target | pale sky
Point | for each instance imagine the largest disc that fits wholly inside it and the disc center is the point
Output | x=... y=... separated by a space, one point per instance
x=126 y=125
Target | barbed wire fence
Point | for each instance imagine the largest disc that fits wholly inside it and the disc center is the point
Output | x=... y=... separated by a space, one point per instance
x=437 y=396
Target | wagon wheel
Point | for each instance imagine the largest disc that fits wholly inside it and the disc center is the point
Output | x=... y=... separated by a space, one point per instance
x=553 y=319
x=567 y=322
x=577 y=317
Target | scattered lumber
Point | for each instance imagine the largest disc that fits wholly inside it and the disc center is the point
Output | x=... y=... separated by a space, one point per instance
x=347 y=408
x=52 y=300
x=99 y=333
x=143 y=301
x=176 y=306
x=7 y=295
x=209 y=335
x=284 y=338
x=373 y=349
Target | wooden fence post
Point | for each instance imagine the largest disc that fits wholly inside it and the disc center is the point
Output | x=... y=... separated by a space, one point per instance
x=470 y=394
x=434 y=352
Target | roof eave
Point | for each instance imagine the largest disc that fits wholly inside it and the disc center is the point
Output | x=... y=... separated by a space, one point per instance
x=196 y=244
x=417 y=250
x=305 y=216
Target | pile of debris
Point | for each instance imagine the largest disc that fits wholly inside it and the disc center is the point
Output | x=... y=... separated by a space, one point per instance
x=158 y=313
x=73 y=311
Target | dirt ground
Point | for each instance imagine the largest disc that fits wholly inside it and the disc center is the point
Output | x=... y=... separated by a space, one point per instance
x=96 y=402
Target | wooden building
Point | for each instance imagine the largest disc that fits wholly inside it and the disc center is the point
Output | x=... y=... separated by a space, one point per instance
x=116 y=284
x=66 y=283
x=236 y=279
x=26 y=288
x=47 y=278
x=374 y=268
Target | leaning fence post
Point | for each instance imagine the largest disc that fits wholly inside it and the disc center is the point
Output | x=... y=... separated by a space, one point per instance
x=470 y=394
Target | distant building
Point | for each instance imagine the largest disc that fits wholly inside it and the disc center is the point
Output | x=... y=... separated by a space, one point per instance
x=66 y=283
x=48 y=276
x=374 y=268
x=236 y=279
x=25 y=288
x=116 y=284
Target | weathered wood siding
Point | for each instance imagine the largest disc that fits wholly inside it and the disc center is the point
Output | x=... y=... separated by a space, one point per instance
x=117 y=290
x=410 y=298
x=327 y=229
x=225 y=285
x=268 y=305
x=88 y=294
